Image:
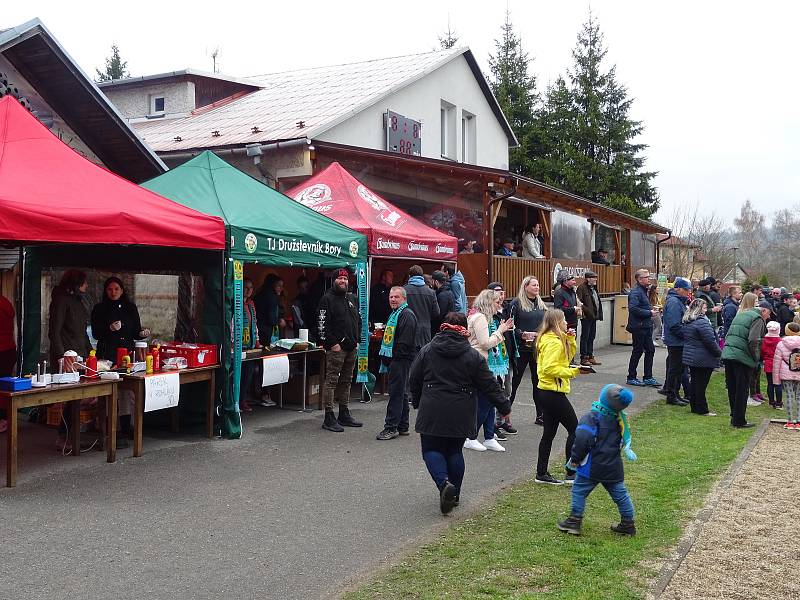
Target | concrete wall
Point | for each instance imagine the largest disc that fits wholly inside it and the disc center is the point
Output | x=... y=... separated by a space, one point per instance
x=422 y=100
x=134 y=101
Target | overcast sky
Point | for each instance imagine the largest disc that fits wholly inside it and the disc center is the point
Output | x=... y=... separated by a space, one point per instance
x=715 y=83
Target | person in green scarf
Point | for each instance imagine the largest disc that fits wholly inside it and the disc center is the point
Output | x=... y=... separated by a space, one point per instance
x=398 y=351
x=600 y=436
x=249 y=341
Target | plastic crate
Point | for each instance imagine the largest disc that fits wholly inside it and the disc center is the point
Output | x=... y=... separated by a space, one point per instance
x=196 y=355
x=15 y=384
x=55 y=411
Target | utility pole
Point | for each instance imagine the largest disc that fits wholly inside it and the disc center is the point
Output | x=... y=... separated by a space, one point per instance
x=735 y=265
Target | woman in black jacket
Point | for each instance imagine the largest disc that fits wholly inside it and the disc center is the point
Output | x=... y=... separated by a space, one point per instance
x=701 y=353
x=443 y=380
x=269 y=310
x=68 y=317
x=115 y=321
x=527 y=310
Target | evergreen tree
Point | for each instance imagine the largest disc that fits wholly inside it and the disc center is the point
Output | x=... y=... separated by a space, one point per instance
x=116 y=68
x=606 y=166
x=556 y=123
x=449 y=39
x=515 y=90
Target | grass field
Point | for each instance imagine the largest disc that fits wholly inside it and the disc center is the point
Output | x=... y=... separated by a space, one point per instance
x=512 y=549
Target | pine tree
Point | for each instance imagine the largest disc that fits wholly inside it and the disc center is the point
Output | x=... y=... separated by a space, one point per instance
x=515 y=90
x=556 y=120
x=116 y=68
x=449 y=39
x=606 y=166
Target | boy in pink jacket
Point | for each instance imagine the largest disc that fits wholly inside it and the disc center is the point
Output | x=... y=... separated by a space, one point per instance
x=786 y=372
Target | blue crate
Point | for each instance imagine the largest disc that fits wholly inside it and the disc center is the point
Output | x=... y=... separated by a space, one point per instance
x=15 y=384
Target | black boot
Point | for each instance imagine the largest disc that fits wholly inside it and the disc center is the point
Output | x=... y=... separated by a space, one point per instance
x=625 y=527
x=346 y=419
x=571 y=524
x=447 y=497
x=331 y=424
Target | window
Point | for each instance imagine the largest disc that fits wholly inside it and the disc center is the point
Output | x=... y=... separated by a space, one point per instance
x=448 y=130
x=157 y=104
x=468 y=154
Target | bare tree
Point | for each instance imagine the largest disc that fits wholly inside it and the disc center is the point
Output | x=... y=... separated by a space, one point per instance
x=704 y=247
x=751 y=232
x=782 y=264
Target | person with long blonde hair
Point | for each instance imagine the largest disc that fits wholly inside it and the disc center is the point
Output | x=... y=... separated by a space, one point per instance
x=528 y=311
x=487 y=337
x=555 y=346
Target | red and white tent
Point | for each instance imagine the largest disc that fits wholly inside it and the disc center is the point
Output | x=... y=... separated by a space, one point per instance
x=391 y=232
x=50 y=193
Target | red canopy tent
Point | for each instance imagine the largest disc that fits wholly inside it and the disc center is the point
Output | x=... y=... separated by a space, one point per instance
x=50 y=193
x=391 y=232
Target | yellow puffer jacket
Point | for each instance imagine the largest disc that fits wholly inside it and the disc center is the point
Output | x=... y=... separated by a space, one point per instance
x=552 y=365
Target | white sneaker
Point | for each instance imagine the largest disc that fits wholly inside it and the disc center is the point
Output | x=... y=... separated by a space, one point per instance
x=753 y=402
x=475 y=445
x=493 y=445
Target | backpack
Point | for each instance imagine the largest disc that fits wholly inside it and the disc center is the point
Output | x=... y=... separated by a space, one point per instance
x=794 y=360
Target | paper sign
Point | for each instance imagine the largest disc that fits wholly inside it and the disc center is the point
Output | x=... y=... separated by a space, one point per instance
x=276 y=369
x=161 y=391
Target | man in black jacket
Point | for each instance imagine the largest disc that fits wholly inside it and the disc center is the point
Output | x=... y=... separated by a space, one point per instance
x=422 y=300
x=785 y=314
x=338 y=331
x=379 y=298
x=403 y=350
x=444 y=297
x=565 y=298
x=592 y=309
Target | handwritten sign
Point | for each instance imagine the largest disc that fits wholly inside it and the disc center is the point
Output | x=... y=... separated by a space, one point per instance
x=161 y=391
x=276 y=369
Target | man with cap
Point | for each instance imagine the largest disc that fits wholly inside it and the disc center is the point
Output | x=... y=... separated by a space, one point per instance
x=445 y=298
x=713 y=307
x=741 y=354
x=506 y=248
x=565 y=298
x=592 y=309
x=338 y=331
x=600 y=257
x=640 y=326
x=674 y=309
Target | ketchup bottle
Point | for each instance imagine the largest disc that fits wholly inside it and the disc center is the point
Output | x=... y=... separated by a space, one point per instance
x=91 y=365
x=156 y=359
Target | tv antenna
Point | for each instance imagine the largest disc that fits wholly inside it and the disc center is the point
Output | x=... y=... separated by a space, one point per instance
x=214 y=55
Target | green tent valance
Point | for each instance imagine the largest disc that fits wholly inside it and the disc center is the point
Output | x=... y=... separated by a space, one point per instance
x=263 y=225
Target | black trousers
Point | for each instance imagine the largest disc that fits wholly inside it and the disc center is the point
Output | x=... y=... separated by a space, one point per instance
x=672 y=383
x=526 y=360
x=397 y=407
x=588 y=333
x=737 y=379
x=642 y=344
x=555 y=409
x=699 y=382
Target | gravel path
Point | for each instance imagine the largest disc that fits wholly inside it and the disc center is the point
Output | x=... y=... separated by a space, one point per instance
x=750 y=547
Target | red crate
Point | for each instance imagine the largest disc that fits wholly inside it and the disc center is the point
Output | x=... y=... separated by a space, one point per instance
x=196 y=355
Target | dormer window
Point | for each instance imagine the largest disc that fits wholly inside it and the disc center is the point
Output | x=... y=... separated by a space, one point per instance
x=157 y=105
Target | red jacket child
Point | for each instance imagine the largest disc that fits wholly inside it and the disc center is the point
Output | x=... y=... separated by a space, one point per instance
x=771 y=340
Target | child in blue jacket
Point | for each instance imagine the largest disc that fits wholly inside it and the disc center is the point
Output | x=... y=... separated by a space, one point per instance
x=601 y=434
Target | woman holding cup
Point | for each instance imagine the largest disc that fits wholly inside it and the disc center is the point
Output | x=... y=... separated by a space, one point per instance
x=527 y=311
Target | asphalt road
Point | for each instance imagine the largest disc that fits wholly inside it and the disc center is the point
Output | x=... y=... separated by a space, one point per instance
x=289 y=511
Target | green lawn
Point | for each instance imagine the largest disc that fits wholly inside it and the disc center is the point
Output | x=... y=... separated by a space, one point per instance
x=513 y=549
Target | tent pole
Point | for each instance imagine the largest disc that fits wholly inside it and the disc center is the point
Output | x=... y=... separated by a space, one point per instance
x=21 y=309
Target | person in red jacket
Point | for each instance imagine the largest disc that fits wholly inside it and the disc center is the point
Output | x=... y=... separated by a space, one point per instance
x=8 y=346
x=774 y=390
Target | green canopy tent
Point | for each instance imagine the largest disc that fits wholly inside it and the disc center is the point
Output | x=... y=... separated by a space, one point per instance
x=263 y=227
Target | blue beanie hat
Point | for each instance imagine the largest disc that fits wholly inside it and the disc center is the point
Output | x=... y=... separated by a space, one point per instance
x=681 y=282
x=616 y=397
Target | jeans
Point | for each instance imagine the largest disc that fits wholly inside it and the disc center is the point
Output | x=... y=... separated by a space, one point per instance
x=642 y=344
x=583 y=486
x=700 y=378
x=674 y=371
x=526 y=360
x=397 y=407
x=338 y=377
x=755 y=380
x=485 y=417
x=444 y=459
x=737 y=380
x=588 y=333
x=555 y=409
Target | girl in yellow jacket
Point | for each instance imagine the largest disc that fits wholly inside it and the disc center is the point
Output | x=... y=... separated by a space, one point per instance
x=555 y=347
